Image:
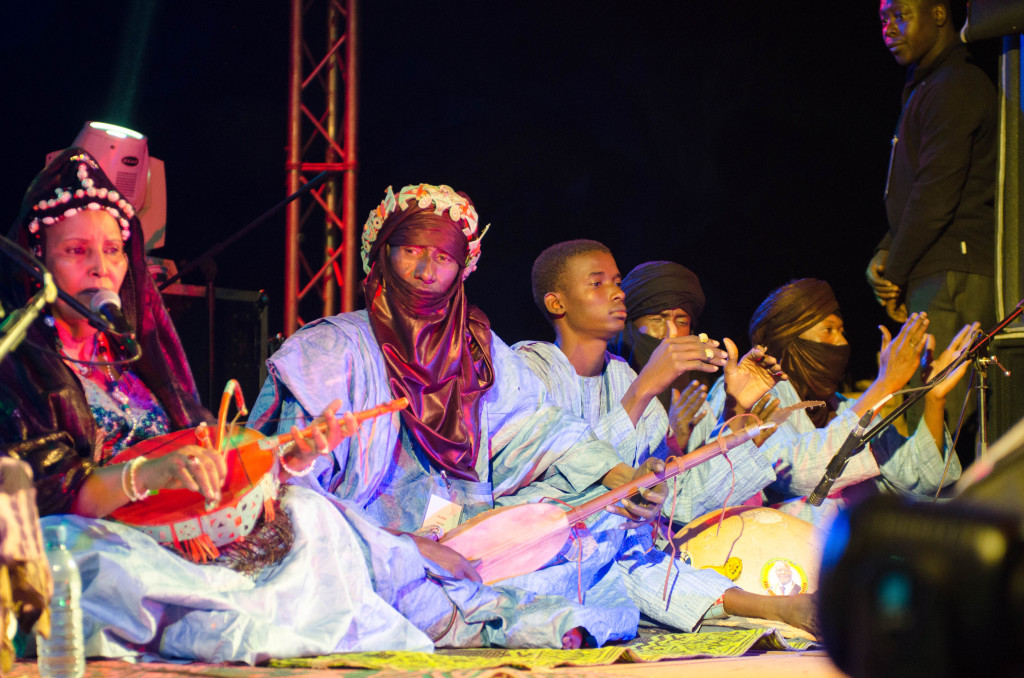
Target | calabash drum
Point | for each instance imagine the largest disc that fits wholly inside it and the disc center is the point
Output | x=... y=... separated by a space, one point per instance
x=179 y=518
x=763 y=550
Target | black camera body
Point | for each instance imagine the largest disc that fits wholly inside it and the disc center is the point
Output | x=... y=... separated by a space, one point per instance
x=920 y=589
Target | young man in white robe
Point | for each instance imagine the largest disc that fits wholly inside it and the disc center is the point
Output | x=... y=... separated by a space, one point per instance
x=576 y=286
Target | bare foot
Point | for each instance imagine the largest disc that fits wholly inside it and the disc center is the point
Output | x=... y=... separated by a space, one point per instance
x=573 y=640
x=800 y=611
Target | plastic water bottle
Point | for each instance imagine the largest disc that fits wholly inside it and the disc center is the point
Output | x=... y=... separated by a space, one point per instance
x=62 y=655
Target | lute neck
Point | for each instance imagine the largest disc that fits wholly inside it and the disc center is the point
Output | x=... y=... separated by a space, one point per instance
x=673 y=467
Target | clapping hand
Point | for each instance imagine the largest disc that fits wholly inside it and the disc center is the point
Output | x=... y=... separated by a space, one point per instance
x=748 y=379
x=686 y=410
x=930 y=368
x=899 y=357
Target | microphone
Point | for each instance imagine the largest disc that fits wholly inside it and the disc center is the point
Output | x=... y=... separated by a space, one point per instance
x=836 y=467
x=107 y=305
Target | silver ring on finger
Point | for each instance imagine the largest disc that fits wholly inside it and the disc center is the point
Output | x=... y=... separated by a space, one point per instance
x=193 y=460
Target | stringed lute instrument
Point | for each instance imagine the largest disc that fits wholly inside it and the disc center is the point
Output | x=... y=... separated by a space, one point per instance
x=514 y=540
x=180 y=518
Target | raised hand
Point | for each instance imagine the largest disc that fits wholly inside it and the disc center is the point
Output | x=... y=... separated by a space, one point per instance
x=900 y=356
x=931 y=368
x=686 y=410
x=749 y=378
x=676 y=355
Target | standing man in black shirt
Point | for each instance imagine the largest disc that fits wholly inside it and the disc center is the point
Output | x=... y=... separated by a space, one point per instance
x=938 y=255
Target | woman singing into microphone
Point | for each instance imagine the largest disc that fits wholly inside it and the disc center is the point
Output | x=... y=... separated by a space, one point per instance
x=87 y=235
x=298 y=584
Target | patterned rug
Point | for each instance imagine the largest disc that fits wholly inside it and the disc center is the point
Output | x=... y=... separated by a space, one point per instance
x=731 y=643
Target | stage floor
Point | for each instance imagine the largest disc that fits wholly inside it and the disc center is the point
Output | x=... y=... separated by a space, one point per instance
x=806 y=664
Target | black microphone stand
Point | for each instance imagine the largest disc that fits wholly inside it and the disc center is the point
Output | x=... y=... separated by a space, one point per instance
x=223 y=245
x=209 y=268
x=972 y=353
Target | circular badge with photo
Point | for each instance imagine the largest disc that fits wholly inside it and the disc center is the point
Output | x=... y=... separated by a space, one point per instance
x=783 y=577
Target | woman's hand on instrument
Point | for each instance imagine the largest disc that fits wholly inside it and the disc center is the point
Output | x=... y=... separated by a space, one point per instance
x=445 y=557
x=319 y=438
x=192 y=467
x=647 y=506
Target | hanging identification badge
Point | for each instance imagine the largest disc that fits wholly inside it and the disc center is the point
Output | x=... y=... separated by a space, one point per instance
x=441 y=516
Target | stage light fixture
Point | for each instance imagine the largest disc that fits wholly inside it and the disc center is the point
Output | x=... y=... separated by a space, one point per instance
x=124 y=156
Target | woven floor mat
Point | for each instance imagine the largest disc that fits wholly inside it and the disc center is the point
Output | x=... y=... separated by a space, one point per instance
x=729 y=643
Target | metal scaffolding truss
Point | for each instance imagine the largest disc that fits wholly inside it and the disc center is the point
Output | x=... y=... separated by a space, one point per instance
x=320 y=231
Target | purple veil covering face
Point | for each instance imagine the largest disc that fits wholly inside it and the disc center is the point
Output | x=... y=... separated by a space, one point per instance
x=44 y=405
x=437 y=347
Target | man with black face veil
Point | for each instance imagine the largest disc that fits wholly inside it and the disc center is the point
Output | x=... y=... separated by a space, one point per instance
x=658 y=293
x=665 y=299
x=800 y=324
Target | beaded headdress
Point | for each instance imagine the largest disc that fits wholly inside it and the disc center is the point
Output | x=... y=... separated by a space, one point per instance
x=70 y=199
x=460 y=210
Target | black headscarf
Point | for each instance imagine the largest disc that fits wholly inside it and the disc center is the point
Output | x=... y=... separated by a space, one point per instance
x=651 y=288
x=815 y=369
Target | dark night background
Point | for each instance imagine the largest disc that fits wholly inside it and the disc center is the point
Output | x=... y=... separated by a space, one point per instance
x=748 y=143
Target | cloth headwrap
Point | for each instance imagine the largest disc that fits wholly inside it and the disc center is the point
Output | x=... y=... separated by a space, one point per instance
x=651 y=288
x=62 y=412
x=658 y=286
x=437 y=347
x=459 y=207
x=815 y=368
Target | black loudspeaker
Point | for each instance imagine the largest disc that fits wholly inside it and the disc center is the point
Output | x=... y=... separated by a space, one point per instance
x=1006 y=393
x=238 y=338
x=1009 y=261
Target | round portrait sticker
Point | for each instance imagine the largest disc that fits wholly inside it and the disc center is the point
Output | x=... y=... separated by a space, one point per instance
x=783 y=577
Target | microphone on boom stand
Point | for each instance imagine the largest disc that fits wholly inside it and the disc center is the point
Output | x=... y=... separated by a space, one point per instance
x=836 y=467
